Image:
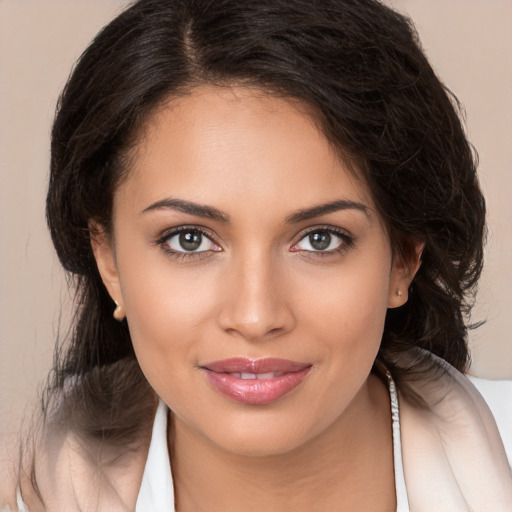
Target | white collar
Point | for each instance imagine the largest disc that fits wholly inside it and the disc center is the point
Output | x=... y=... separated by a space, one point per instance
x=157 y=492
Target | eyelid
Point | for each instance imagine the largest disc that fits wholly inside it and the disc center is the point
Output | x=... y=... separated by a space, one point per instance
x=169 y=233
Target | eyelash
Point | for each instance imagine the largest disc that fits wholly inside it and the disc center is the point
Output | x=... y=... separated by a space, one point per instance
x=185 y=255
x=347 y=242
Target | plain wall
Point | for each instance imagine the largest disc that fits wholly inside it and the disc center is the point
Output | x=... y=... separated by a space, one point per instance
x=469 y=43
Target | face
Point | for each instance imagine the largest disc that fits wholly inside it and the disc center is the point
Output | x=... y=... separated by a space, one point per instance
x=253 y=269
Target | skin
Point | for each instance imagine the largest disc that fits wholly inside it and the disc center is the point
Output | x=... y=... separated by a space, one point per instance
x=258 y=289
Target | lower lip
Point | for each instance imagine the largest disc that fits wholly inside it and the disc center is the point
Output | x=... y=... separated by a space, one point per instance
x=254 y=391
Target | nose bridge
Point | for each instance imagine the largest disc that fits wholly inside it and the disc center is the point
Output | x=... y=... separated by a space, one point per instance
x=255 y=307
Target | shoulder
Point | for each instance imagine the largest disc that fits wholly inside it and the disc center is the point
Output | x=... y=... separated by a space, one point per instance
x=88 y=450
x=63 y=472
x=453 y=453
x=498 y=396
x=74 y=474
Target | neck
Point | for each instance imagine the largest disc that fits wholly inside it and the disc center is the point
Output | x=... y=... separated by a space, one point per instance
x=347 y=467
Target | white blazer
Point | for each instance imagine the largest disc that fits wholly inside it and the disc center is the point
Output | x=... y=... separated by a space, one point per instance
x=453 y=450
x=436 y=477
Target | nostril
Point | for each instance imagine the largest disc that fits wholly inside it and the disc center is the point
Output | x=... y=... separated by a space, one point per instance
x=255 y=316
x=254 y=332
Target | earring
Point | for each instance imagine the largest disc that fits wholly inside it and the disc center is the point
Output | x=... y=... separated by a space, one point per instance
x=399 y=293
x=118 y=312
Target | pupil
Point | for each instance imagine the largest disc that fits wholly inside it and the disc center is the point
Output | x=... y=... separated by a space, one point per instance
x=320 y=240
x=191 y=240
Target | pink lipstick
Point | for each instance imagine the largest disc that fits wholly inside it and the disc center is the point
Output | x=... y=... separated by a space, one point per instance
x=255 y=382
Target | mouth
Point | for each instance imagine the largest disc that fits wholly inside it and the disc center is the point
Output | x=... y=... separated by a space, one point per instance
x=255 y=382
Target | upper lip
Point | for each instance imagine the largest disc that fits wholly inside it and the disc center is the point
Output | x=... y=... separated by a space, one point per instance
x=266 y=365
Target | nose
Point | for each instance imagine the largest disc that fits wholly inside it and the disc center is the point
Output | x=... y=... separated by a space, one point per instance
x=256 y=306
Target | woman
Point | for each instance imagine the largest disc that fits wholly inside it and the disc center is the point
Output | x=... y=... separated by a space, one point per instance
x=273 y=217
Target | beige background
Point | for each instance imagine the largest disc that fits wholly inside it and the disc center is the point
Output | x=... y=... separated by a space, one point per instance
x=468 y=41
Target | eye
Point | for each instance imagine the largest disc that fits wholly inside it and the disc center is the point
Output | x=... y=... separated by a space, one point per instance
x=189 y=240
x=323 y=240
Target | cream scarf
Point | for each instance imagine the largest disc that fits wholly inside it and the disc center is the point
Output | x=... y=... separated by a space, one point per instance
x=453 y=456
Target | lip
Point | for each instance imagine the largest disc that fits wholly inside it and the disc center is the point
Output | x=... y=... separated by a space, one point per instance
x=222 y=375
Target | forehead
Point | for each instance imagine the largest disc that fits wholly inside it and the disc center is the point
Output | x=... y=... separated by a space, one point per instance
x=217 y=144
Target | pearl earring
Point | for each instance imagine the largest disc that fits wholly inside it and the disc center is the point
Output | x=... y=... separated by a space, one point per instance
x=118 y=312
x=399 y=293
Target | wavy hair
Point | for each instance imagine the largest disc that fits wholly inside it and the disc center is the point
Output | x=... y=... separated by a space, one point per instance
x=360 y=67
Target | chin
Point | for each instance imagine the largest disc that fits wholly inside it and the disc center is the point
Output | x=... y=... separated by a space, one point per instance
x=261 y=446
x=262 y=435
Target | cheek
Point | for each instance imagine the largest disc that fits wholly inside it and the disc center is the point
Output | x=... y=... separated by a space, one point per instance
x=349 y=304
x=167 y=309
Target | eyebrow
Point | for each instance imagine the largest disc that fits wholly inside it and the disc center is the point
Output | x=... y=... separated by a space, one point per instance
x=323 y=209
x=211 y=213
x=207 y=212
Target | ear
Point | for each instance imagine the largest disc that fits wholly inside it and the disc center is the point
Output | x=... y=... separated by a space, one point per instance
x=103 y=250
x=403 y=271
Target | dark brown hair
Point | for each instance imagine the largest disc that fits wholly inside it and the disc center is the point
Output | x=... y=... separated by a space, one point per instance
x=360 y=67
